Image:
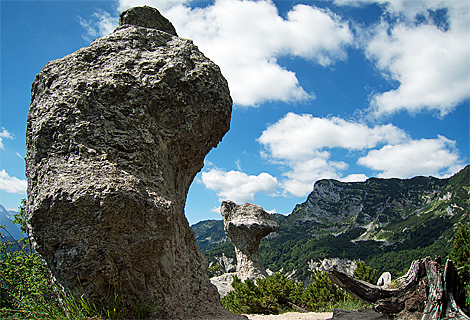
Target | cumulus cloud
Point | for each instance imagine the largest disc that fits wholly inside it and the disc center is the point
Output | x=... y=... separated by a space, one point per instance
x=245 y=38
x=302 y=174
x=301 y=136
x=238 y=186
x=4 y=135
x=12 y=184
x=424 y=48
x=355 y=177
x=436 y=157
x=431 y=66
x=409 y=9
x=302 y=143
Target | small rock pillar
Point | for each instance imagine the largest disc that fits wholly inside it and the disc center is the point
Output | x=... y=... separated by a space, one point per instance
x=246 y=225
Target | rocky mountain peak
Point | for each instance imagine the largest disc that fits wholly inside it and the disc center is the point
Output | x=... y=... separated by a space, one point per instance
x=382 y=200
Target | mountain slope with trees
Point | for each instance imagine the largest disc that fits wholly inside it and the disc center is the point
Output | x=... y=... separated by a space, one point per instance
x=385 y=222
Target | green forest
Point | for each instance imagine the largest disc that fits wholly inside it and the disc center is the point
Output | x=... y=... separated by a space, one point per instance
x=428 y=231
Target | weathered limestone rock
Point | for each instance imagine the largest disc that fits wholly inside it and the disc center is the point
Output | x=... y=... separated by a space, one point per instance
x=246 y=225
x=342 y=265
x=116 y=133
x=384 y=280
x=223 y=283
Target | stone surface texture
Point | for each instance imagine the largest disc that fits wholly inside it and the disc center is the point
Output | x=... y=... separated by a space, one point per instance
x=116 y=133
x=223 y=283
x=246 y=225
x=343 y=265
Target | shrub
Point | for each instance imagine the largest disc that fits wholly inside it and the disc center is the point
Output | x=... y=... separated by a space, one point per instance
x=322 y=294
x=277 y=294
x=28 y=292
x=365 y=273
x=271 y=295
x=460 y=256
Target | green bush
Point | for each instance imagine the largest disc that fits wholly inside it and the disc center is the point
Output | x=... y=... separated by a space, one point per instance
x=365 y=273
x=322 y=294
x=271 y=295
x=277 y=294
x=460 y=256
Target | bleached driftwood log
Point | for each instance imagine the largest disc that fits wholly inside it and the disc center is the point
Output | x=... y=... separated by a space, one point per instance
x=426 y=292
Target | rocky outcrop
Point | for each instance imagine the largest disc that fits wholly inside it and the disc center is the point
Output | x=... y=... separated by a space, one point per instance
x=223 y=283
x=375 y=200
x=343 y=265
x=116 y=133
x=246 y=225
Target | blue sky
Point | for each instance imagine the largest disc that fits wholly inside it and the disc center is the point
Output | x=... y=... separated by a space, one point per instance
x=338 y=89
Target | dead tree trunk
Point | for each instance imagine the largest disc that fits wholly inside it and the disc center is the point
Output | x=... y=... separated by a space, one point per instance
x=426 y=292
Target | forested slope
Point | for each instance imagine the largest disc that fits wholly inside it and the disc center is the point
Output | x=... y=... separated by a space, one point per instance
x=385 y=222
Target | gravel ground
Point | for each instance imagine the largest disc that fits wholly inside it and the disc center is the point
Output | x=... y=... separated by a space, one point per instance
x=292 y=316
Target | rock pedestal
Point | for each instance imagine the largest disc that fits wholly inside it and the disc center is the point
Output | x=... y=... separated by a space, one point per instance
x=246 y=225
x=116 y=133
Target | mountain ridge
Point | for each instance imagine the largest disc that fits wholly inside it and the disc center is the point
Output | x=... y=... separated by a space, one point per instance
x=6 y=217
x=376 y=220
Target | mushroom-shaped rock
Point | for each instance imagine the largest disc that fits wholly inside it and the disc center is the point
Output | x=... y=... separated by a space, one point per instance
x=246 y=225
x=116 y=133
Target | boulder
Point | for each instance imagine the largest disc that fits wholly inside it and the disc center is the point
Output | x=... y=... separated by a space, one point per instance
x=343 y=265
x=246 y=225
x=384 y=280
x=116 y=133
x=223 y=283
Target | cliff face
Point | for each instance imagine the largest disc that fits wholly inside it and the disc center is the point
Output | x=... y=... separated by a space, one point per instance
x=334 y=206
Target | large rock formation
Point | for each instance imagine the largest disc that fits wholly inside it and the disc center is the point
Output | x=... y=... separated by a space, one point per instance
x=246 y=225
x=116 y=133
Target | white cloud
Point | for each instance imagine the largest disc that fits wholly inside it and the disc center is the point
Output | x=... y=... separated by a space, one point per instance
x=435 y=157
x=431 y=66
x=425 y=55
x=238 y=186
x=5 y=135
x=102 y=24
x=216 y=209
x=410 y=9
x=245 y=38
x=355 y=178
x=301 y=136
x=12 y=184
x=239 y=166
x=303 y=173
x=300 y=143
